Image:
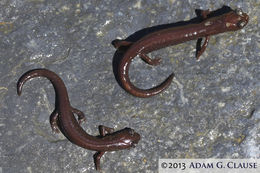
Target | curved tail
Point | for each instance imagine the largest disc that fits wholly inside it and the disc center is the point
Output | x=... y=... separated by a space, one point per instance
x=130 y=88
x=56 y=81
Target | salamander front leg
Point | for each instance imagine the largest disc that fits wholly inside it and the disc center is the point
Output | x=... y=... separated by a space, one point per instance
x=200 y=49
x=148 y=60
x=204 y=13
x=97 y=156
x=54 y=121
x=103 y=130
x=81 y=116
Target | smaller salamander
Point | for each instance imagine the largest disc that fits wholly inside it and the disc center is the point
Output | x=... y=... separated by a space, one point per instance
x=230 y=21
x=63 y=119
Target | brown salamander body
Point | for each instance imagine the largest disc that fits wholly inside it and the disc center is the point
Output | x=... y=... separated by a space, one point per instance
x=63 y=119
x=231 y=21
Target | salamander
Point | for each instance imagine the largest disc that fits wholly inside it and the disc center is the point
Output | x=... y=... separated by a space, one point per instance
x=63 y=120
x=229 y=21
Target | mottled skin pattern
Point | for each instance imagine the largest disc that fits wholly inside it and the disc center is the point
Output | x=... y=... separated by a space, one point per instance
x=63 y=119
x=231 y=21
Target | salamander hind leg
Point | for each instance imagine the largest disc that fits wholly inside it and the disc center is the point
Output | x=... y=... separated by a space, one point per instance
x=121 y=43
x=103 y=130
x=97 y=156
x=148 y=60
x=54 y=121
x=81 y=116
x=200 y=49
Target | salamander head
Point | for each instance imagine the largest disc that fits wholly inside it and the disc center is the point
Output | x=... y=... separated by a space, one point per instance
x=236 y=19
x=128 y=138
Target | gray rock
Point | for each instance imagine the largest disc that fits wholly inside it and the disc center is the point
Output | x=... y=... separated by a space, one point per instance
x=211 y=109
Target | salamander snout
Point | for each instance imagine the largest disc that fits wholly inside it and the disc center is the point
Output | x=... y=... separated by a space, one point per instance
x=236 y=20
x=244 y=18
x=135 y=138
x=132 y=137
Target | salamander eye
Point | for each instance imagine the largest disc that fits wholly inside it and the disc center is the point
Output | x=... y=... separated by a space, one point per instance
x=132 y=132
x=239 y=12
